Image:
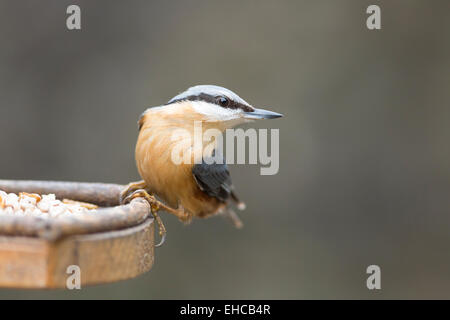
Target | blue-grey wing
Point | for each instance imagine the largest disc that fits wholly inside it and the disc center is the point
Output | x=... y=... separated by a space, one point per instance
x=214 y=179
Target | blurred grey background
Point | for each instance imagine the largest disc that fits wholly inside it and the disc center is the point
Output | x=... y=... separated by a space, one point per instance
x=364 y=153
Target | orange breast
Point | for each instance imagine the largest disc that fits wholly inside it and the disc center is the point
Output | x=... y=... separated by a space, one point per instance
x=172 y=182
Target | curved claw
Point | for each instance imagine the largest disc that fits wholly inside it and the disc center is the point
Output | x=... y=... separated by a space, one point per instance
x=140 y=193
x=122 y=199
x=154 y=207
x=129 y=188
x=161 y=242
x=127 y=199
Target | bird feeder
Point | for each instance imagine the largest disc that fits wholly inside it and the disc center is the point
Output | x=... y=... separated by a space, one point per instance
x=114 y=243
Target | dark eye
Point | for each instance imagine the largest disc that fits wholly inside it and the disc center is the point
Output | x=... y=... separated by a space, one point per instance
x=223 y=102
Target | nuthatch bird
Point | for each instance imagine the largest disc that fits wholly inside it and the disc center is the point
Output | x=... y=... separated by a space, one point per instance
x=195 y=188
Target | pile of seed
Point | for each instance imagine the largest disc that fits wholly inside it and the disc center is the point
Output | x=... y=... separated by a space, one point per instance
x=45 y=206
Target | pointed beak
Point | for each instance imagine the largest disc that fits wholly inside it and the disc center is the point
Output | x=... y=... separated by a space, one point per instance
x=261 y=114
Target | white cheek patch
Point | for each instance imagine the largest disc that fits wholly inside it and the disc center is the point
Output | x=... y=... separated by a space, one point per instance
x=214 y=112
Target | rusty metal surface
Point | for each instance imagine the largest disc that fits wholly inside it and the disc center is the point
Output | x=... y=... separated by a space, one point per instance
x=104 y=219
x=102 y=194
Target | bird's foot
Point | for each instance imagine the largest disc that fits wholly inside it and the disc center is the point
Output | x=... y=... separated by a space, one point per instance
x=130 y=188
x=155 y=206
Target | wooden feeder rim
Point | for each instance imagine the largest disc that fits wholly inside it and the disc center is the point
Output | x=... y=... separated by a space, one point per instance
x=114 y=217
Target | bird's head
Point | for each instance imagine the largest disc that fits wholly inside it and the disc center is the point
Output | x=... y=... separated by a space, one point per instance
x=211 y=103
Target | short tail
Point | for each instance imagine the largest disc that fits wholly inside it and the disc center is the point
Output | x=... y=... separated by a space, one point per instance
x=233 y=217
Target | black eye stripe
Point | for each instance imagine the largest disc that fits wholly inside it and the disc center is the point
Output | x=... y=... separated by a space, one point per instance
x=214 y=100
